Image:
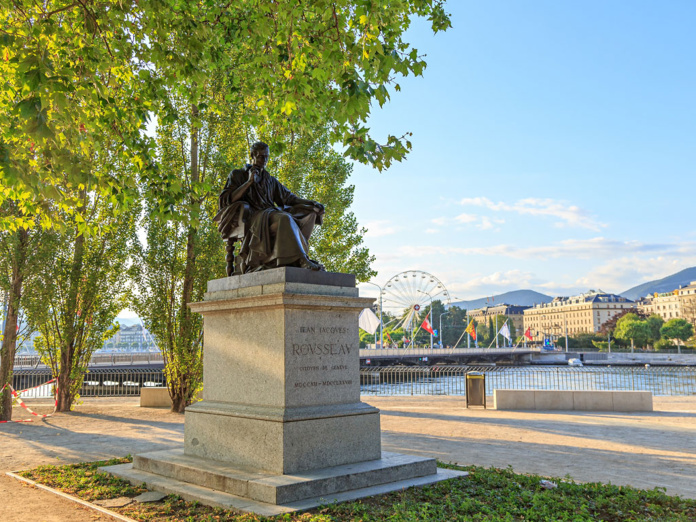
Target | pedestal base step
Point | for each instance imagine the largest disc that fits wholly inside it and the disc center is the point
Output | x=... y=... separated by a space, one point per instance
x=220 y=485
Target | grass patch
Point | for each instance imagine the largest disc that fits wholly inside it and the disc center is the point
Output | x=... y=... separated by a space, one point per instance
x=486 y=494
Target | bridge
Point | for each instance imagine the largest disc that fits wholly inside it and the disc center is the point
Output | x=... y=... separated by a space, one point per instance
x=428 y=357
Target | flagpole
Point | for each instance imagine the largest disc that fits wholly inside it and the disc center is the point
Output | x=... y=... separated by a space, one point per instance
x=496 y=331
x=468 y=337
x=429 y=313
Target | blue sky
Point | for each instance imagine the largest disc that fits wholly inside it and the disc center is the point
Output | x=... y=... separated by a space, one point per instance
x=554 y=148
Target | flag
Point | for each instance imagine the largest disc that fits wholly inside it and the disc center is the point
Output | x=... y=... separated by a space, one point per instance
x=528 y=334
x=471 y=330
x=368 y=321
x=426 y=325
x=505 y=331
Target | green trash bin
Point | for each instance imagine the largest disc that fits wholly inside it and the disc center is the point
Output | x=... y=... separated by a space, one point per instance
x=475 y=389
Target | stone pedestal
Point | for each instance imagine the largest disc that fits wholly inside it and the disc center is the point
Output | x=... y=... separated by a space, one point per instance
x=281 y=420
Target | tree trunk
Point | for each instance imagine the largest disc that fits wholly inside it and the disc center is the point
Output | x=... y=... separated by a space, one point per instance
x=180 y=389
x=67 y=352
x=9 y=340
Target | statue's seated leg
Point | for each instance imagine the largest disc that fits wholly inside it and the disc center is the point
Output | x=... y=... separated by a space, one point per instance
x=307 y=224
x=290 y=245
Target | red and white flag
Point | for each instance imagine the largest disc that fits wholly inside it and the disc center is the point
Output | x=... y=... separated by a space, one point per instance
x=528 y=334
x=426 y=325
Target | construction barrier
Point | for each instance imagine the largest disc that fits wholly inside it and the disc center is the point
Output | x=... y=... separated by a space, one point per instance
x=19 y=400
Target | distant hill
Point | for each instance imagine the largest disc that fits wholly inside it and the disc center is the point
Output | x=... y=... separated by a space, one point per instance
x=516 y=297
x=666 y=284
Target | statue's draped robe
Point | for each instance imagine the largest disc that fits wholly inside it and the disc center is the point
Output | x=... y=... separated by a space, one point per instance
x=265 y=203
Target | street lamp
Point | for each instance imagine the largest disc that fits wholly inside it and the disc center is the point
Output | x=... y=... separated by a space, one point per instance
x=431 y=311
x=440 y=330
x=381 y=322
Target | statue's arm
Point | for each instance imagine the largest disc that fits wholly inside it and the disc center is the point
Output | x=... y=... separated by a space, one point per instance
x=235 y=188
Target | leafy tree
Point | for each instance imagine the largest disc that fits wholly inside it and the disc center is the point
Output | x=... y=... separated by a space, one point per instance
x=82 y=290
x=453 y=325
x=631 y=328
x=677 y=329
x=22 y=253
x=655 y=323
x=75 y=72
x=609 y=326
x=310 y=168
x=195 y=154
x=586 y=340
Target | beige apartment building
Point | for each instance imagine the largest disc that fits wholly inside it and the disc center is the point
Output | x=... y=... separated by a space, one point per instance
x=687 y=295
x=514 y=312
x=583 y=313
x=667 y=305
x=671 y=305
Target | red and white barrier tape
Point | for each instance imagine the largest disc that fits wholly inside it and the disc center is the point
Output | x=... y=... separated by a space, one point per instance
x=21 y=402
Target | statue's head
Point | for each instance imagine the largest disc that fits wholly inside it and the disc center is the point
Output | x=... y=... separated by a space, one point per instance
x=260 y=154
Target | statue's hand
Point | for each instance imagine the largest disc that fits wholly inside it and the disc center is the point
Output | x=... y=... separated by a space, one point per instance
x=254 y=171
x=318 y=207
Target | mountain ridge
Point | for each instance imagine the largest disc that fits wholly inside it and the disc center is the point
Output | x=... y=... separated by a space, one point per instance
x=514 y=297
x=666 y=284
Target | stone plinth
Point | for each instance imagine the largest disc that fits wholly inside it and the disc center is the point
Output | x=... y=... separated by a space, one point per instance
x=281 y=374
x=281 y=419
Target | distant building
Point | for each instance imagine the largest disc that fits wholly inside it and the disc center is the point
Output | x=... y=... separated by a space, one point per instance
x=667 y=305
x=680 y=302
x=687 y=297
x=583 y=313
x=514 y=312
x=133 y=338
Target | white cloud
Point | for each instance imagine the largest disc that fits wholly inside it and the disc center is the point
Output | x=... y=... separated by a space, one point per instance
x=465 y=218
x=625 y=272
x=567 y=215
x=380 y=228
x=496 y=282
x=431 y=231
x=440 y=221
x=486 y=223
x=594 y=248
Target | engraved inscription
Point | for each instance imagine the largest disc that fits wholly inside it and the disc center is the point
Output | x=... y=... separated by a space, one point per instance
x=314 y=384
x=323 y=329
x=321 y=349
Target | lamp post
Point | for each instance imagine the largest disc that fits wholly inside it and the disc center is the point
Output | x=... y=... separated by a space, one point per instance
x=440 y=330
x=381 y=322
x=431 y=311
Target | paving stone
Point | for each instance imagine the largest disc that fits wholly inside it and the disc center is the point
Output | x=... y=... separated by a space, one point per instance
x=150 y=496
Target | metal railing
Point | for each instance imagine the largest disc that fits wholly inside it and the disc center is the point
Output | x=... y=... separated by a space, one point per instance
x=101 y=359
x=99 y=382
x=451 y=380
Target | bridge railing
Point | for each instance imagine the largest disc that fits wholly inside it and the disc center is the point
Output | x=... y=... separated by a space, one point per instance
x=451 y=380
x=425 y=352
x=100 y=358
x=98 y=382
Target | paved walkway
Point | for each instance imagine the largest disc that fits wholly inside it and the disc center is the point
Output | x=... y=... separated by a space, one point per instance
x=646 y=450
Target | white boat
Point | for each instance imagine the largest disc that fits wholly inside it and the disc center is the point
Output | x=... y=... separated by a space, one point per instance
x=574 y=362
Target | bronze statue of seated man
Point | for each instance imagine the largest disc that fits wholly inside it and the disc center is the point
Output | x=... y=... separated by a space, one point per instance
x=272 y=223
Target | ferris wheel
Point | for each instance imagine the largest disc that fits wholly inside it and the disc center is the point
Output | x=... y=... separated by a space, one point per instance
x=407 y=293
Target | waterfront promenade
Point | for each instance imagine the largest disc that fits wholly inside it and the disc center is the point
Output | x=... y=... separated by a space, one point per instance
x=641 y=449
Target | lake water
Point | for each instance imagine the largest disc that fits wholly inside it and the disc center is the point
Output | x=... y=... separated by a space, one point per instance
x=445 y=380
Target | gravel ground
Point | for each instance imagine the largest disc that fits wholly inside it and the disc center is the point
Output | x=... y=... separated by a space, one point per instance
x=645 y=450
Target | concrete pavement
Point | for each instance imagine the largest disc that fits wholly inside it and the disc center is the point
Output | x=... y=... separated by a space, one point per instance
x=655 y=449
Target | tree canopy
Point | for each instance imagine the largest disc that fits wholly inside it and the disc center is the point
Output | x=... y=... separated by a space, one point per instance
x=677 y=329
x=631 y=328
x=74 y=72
